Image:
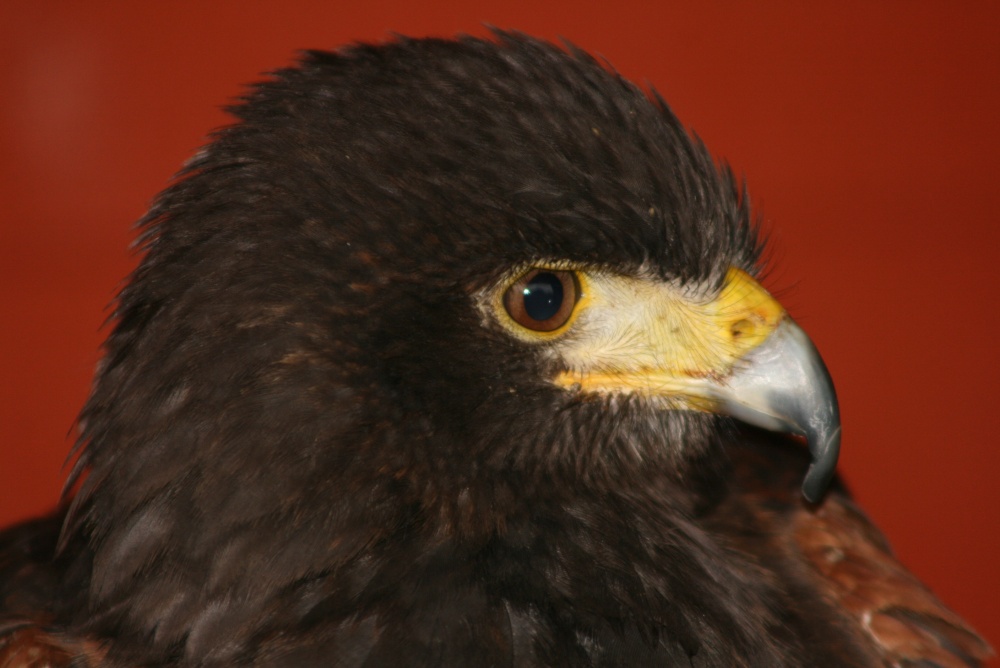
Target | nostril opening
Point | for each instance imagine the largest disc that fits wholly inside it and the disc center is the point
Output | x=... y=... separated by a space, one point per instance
x=741 y=328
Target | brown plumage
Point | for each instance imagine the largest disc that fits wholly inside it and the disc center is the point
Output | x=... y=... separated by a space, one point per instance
x=432 y=359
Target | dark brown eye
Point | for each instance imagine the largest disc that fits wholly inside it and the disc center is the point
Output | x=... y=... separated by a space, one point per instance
x=543 y=299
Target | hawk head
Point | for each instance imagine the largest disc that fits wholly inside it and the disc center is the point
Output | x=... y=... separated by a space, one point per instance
x=413 y=288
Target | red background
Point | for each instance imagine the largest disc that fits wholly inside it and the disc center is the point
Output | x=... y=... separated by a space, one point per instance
x=868 y=133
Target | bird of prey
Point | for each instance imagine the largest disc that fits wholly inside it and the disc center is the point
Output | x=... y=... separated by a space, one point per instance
x=453 y=353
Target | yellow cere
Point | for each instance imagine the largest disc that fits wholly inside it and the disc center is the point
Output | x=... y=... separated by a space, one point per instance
x=645 y=335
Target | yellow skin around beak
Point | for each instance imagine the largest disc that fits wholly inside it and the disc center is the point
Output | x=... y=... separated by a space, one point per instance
x=653 y=338
x=733 y=351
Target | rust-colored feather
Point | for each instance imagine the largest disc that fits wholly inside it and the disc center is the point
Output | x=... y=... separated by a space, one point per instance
x=30 y=646
x=904 y=620
x=851 y=564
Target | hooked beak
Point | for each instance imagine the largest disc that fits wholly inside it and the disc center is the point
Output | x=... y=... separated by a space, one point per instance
x=783 y=385
x=737 y=354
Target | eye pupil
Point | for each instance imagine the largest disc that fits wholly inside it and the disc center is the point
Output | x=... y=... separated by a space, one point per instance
x=543 y=296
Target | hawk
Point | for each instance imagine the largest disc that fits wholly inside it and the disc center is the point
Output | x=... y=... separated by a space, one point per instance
x=453 y=353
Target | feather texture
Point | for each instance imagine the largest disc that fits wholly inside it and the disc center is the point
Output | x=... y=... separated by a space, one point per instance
x=306 y=446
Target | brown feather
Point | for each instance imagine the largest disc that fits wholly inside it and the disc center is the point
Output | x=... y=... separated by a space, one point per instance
x=852 y=565
x=902 y=617
x=33 y=647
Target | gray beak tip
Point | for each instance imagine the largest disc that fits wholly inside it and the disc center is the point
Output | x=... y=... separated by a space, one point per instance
x=784 y=386
x=823 y=467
